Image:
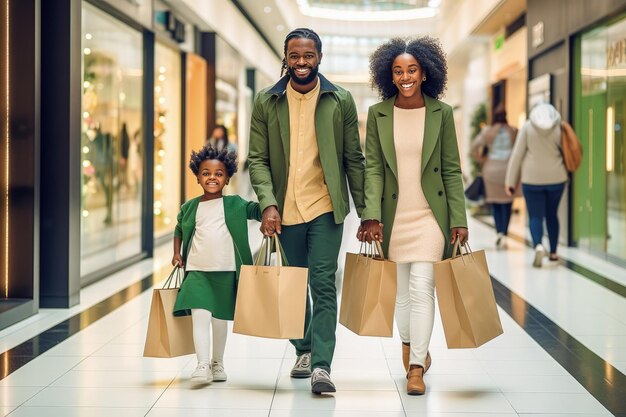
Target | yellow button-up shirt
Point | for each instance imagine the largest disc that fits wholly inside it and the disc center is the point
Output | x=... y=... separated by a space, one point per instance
x=307 y=195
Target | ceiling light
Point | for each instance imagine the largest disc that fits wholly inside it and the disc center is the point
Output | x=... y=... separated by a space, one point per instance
x=280 y=28
x=369 y=15
x=267 y=9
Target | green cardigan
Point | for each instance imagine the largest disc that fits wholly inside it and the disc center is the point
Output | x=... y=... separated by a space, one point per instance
x=441 y=169
x=237 y=212
x=337 y=132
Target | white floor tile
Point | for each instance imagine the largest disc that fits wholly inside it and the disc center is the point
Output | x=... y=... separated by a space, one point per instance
x=120 y=349
x=73 y=348
x=546 y=367
x=95 y=397
x=4 y=411
x=555 y=403
x=334 y=413
x=41 y=371
x=204 y=412
x=481 y=414
x=207 y=397
x=559 y=415
x=15 y=396
x=79 y=412
x=538 y=383
x=107 y=363
x=342 y=401
x=116 y=379
x=457 y=402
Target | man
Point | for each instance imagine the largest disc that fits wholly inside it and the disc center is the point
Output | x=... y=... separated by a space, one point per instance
x=304 y=142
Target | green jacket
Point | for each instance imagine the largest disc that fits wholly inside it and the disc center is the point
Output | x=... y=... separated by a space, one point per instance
x=441 y=169
x=237 y=212
x=337 y=132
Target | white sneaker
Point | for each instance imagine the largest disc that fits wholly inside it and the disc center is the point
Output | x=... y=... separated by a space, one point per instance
x=540 y=252
x=202 y=374
x=218 y=371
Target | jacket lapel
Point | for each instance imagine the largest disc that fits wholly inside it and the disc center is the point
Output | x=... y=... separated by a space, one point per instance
x=384 y=123
x=431 y=130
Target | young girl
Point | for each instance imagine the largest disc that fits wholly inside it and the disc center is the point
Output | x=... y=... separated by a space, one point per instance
x=213 y=232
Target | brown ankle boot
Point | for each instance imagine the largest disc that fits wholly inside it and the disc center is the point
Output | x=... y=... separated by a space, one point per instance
x=415 y=384
x=406 y=352
x=427 y=362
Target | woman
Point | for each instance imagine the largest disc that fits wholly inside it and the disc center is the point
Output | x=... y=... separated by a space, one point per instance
x=413 y=184
x=492 y=149
x=219 y=139
x=537 y=155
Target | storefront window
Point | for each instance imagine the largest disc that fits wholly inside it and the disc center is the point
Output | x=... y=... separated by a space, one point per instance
x=167 y=139
x=615 y=155
x=600 y=183
x=111 y=145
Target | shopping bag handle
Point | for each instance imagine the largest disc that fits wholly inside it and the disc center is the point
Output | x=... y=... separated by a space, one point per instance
x=174 y=277
x=372 y=250
x=265 y=251
x=457 y=250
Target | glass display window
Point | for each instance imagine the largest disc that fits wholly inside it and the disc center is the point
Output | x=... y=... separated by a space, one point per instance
x=111 y=140
x=167 y=139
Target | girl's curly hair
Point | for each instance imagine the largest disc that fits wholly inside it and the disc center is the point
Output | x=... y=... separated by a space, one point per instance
x=426 y=50
x=228 y=158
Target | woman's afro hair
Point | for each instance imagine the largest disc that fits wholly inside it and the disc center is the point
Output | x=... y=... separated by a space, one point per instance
x=228 y=158
x=428 y=53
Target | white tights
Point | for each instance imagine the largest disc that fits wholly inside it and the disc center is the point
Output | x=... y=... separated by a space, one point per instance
x=203 y=320
x=415 y=307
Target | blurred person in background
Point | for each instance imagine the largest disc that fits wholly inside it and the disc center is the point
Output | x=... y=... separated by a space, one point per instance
x=219 y=139
x=492 y=150
x=537 y=159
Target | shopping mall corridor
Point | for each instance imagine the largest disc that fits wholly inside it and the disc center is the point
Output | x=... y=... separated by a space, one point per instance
x=563 y=352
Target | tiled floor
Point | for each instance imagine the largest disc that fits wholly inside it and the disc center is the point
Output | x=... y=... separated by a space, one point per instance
x=100 y=370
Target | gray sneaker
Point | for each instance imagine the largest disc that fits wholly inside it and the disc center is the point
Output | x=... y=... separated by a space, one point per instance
x=302 y=368
x=320 y=382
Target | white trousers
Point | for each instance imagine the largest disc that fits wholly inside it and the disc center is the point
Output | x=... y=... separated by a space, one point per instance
x=415 y=307
x=203 y=321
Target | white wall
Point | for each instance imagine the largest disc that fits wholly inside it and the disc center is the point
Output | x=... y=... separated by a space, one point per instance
x=225 y=19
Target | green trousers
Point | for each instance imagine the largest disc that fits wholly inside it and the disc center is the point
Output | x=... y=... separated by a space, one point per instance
x=315 y=245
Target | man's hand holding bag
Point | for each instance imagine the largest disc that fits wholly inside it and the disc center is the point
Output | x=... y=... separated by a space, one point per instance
x=271 y=300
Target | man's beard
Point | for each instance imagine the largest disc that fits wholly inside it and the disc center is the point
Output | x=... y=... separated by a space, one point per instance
x=303 y=81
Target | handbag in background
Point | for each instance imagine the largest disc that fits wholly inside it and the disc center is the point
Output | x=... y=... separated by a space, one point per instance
x=476 y=190
x=570 y=148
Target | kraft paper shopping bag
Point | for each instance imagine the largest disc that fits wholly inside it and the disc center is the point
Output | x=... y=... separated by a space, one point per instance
x=271 y=300
x=368 y=294
x=466 y=300
x=168 y=336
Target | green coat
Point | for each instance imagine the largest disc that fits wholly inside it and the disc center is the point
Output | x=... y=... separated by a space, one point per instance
x=237 y=212
x=441 y=169
x=337 y=132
